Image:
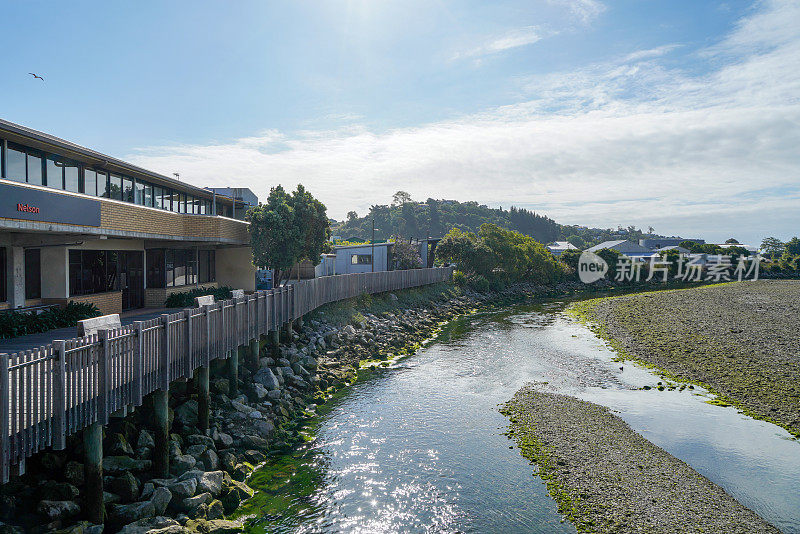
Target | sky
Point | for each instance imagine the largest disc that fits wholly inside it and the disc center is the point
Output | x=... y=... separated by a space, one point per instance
x=680 y=115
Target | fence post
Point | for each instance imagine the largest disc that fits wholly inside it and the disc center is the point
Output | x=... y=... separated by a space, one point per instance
x=103 y=372
x=5 y=460
x=138 y=355
x=164 y=364
x=188 y=366
x=59 y=403
x=207 y=356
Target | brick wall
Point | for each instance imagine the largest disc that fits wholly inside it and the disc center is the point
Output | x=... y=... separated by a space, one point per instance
x=107 y=303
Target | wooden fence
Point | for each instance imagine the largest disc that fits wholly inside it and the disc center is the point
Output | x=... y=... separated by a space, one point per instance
x=59 y=389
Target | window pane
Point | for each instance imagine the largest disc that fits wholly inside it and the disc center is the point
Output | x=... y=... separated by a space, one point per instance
x=202 y=266
x=148 y=195
x=71 y=176
x=155 y=268
x=3 y=275
x=74 y=272
x=139 y=196
x=102 y=185
x=15 y=165
x=191 y=267
x=180 y=268
x=115 y=187
x=55 y=172
x=127 y=190
x=35 y=170
x=112 y=278
x=212 y=266
x=33 y=274
x=90 y=182
x=170 y=268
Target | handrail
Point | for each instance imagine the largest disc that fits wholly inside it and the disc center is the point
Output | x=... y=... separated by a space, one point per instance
x=57 y=390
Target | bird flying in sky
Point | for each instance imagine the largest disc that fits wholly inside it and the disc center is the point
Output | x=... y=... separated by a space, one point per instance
x=36 y=76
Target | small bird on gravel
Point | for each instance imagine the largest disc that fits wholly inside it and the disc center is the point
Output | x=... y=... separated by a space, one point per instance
x=620 y=368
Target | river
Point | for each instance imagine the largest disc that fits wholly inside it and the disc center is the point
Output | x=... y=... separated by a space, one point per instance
x=420 y=446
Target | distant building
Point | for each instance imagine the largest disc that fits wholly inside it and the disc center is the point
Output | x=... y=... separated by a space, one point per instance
x=557 y=248
x=676 y=248
x=655 y=243
x=623 y=246
x=359 y=258
x=244 y=199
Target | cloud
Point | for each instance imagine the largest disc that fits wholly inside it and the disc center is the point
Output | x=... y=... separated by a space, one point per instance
x=512 y=39
x=584 y=10
x=630 y=141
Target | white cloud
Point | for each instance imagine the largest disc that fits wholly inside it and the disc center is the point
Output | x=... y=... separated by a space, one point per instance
x=584 y=10
x=625 y=142
x=512 y=39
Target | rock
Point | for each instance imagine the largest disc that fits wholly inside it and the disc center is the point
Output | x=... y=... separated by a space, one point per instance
x=116 y=465
x=213 y=526
x=83 y=527
x=259 y=391
x=235 y=492
x=221 y=386
x=240 y=472
x=51 y=462
x=145 y=439
x=73 y=473
x=210 y=460
x=183 y=489
x=199 y=439
x=126 y=486
x=54 y=510
x=119 y=446
x=228 y=461
x=275 y=394
x=150 y=525
x=182 y=463
x=110 y=498
x=186 y=413
x=10 y=529
x=309 y=362
x=266 y=378
x=161 y=499
x=215 y=510
x=122 y=514
x=196 y=450
x=57 y=491
x=174 y=449
x=255 y=457
x=191 y=504
x=144 y=453
x=211 y=482
x=147 y=491
x=224 y=441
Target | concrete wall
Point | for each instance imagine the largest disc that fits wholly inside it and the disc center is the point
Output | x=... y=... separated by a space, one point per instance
x=55 y=272
x=235 y=268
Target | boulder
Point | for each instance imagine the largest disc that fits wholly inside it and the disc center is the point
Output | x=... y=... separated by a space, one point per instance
x=122 y=514
x=186 y=413
x=182 y=463
x=110 y=498
x=221 y=386
x=151 y=524
x=51 y=490
x=126 y=486
x=215 y=510
x=73 y=473
x=119 y=446
x=54 y=510
x=199 y=439
x=161 y=499
x=259 y=391
x=213 y=526
x=266 y=378
x=116 y=465
x=183 y=489
x=210 y=460
x=51 y=461
x=234 y=493
x=196 y=450
x=228 y=460
x=145 y=439
x=83 y=527
x=224 y=441
x=147 y=491
x=191 y=504
x=211 y=482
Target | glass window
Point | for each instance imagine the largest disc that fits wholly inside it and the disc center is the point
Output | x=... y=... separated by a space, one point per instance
x=361 y=259
x=35 y=170
x=112 y=274
x=139 y=193
x=180 y=268
x=92 y=271
x=102 y=185
x=90 y=182
x=71 y=176
x=206 y=268
x=74 y=272
x=15 y=165
x=181 y=202
x=115 y=187
x=169 y=268
x=55 y=172
x=155 y=268
x=191 y=266
x=127 y=189
x=148 y=195
x=176 y=202
x=33 y=274
x=3 y=275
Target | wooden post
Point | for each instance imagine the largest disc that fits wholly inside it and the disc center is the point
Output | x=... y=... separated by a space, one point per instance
x=93 y=472
x=5 y=452
x=203 y=398
x=161 y=438
x=289 y=330
x=233 y=372
x=59 y=403
x=253 y=349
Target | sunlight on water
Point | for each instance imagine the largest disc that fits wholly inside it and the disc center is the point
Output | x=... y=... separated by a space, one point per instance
x=420 y=447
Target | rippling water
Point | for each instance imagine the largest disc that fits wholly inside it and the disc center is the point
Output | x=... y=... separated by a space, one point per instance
x=420 y=447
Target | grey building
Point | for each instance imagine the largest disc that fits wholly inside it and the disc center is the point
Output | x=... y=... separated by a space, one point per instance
x=623 y=246
x=655 y=243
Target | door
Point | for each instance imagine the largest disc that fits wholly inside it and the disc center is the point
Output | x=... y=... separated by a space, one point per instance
x=131 y=279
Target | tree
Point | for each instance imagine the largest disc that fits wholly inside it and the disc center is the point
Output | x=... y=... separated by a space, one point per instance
x=405 y=255
x=400 y=198
x=732 y=241
x=793 y=247
x=772 y=246
x=576 y=241
x=287 y=229
x=352 y=216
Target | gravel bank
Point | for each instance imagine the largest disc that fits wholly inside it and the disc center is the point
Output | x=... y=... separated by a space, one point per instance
x=740 y=339
x=607 y=478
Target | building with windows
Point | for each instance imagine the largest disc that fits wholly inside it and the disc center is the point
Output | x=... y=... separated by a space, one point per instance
x=77 y=225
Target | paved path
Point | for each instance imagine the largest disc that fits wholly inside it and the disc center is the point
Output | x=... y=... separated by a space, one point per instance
x=37 y=340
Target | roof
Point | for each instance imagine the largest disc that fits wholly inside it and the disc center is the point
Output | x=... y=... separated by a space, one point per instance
x=363 y=245
x=561 y=245
x=622 y=245
x=103 y=160
x=674 y=247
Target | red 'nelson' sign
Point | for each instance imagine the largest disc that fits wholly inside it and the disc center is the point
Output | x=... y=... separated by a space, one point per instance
x=28 y=209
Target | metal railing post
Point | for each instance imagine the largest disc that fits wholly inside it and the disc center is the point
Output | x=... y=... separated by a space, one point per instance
x=59 y=401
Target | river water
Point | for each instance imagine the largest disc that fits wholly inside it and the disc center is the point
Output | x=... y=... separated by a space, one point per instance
x=420 y=446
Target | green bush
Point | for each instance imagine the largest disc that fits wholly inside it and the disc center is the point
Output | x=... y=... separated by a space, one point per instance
x=185 y=299
x=14 y=324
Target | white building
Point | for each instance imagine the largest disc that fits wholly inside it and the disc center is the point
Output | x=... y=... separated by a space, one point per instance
x=557 y=248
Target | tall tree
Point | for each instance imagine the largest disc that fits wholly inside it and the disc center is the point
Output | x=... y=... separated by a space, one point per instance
x=400 y=198
x=772 y=246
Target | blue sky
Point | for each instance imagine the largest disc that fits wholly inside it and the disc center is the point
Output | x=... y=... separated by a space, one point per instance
x=682 y=115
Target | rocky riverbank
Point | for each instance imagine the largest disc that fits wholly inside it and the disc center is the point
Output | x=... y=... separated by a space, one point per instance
x=740 y=340
x=607 y=478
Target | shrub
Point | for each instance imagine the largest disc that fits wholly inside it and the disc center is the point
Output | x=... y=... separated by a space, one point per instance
x=14 y=324
x=185 y=299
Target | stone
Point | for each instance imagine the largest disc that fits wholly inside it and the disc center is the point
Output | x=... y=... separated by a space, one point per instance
x=55 y=510
x=150 y=524
x=211 y=482
x=210 y=460
x=196 y=450
x=116 y=465
x=255 y=457
x=224 y=441
x=215 y=510
x=266 y=378
x=110 y=498
x=259 y=391
x=144 y=453
x=161 y=499
x=213 y=526
x=221 y=386
x=145 y=439
x=183 y=489
x=147 y=491
x=174 y=449
x=235 y=492
x=275 y=394
x=191 y=504
x=309 y=362
x=199 y=439
x=51 y=462
x=122 y=514
x=73 y=473
x=186 y=413
x=51 y=490
x=240 y=472
x=239 y=407
x=228 y=461
x=126 y=486
x=182 y=463
x=119 y=446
